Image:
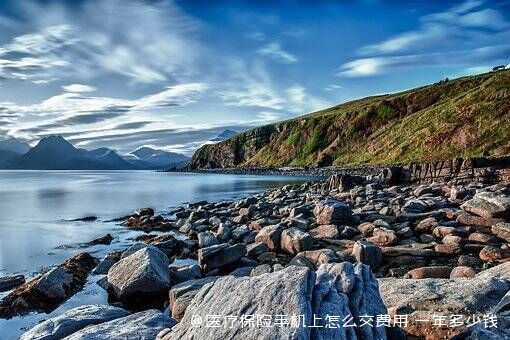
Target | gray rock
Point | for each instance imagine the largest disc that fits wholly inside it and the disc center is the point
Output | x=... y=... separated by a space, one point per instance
x=206 y=239
x=183 y=274
x=294 y=240
x=72 y=321
x=144 y=272
x=367 y=253
x=332 y=212
x=133 y=249
x=104 y=266
x=10 y=282
x=220 y=255
x=188 y=286
x=270 y=235
x=488 y=205
x=140 y=326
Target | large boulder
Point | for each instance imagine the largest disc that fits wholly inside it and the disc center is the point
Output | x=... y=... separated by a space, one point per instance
x=367 y=253
x=294 y=241
x=141 y=326
x=270 y=235
x=332 y=212
x=488 y=205
x=47 y=291
x=219 y=255
x=421 y=298
x=72 y=321
x=502 y=230
x=141 y=275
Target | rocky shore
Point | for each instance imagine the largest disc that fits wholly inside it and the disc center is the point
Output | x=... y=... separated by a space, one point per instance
x=299 y=262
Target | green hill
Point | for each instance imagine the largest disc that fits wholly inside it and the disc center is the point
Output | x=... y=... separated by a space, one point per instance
x=465 y=117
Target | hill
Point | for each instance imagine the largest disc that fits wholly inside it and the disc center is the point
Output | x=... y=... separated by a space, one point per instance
x=146 y=157
x=466 y=117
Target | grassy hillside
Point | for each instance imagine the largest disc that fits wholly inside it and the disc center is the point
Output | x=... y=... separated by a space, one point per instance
x=465 y=117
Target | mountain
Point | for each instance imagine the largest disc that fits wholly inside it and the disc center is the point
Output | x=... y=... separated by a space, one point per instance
x=14 y=145
x=150 y=158
x=111 y=158
x=226 y=134
x=466 y=117
x=7 y=155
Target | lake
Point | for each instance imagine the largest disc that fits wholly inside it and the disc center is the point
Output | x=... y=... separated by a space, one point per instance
x=36 y=206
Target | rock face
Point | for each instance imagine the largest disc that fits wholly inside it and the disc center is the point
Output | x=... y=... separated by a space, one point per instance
x=220 y=255
x=140 y=275
x=72 y=321
x=336 y=289
x=332 y=212
x=45 y=292
x=141 y=326
x=424 y=297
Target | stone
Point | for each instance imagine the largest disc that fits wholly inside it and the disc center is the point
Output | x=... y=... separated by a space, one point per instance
x=139 y=276
x=72 y=321
x=255 y=249
x=294 y=240
x=104 y=266
x=441 y=231
x=502 y=230
x=270 y=236
x=488 y=205
x=427 y=225
x=141 y=326
x=366 y=228
x=469 y=261
x=106 y=239
x=285 y=292
x=383 y=237
x=462 y=272
x=220 y=255
x=491 y=254
x=319 y=257
x=367 y=253
x=261 y=269
x=223 y=233
x=10 y=282
x=452 y=239
x=206 y=239
x=144 y=212
x=47 y=291
x=482 y=238
x=325 y=231
x=188 y=286
x=448 y=249
x=468 y=219
x=182 y=274
x=430 y=272
x=133 y=249
x=332 y=212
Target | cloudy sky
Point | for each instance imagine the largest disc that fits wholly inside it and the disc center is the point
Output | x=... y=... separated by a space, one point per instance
x=173 y=74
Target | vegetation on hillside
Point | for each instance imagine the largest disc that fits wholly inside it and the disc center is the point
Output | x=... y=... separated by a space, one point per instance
x=465 y=117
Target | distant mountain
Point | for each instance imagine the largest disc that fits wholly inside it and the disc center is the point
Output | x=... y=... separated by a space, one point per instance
x=150 y=158
x=112 y=159
x=227 y=134
x=7 y=155
x=14 y=145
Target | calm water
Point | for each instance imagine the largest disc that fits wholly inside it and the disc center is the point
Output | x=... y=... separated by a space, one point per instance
x=34 y=207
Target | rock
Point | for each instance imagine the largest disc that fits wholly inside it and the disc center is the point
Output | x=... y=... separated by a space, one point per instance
x=144 y=212
x=383 y=237
x=188 y=286
x=206 y=239
x=319 y=257
x=270 y=236
x=427 y=225
x=366 y=228
x=181 y=304
x=106 y=239
x=285 y=292
x=325 y=231
x=104 y=266
x=448 y=249
x=502 y=230
x=451 y=239
x=72 y=321
x=182 y=274
x=141 y=326
x=220 y=255
x=141 y=276
x=10 y=282
x=332 y=212
x=430 y=272
x=261 y=269
x=133 y=249
x=482 y=238
x=488 y=205
x=85 y=219
x=462 y=272
x=243 y=271
x=367 y=253
x=255 y=249
x=223 y=233
x=47 y=291
x=491 y=254
x=469 y=261
x=425 y=297
x=294 y=240
x=441 y=232
x=468 y=219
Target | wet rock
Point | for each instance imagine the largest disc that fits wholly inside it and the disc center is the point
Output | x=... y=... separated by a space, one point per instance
x=109 y=260
x=325 y=231
x=206 y=239
x=270 y=236
x=72 y=321
x=140 y=277
x=502 y=230
x=10 y=282
x=462 y=272
x=383 y=237
x=220 y=255
x=141 y=326
x=430 y=272
x=106 y=239
x=47 y=291
x=144 y=212
x=488 y=205
x=367 y=253
x=294 y=240
x=85 y=219
x=332 y=212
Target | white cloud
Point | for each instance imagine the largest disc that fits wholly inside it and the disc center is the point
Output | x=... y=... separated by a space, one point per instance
x=333 y=87
x=275 y=51
x=78 y=88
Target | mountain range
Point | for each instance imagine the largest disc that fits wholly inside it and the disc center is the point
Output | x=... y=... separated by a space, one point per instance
x=56 y=153
x=464 y=117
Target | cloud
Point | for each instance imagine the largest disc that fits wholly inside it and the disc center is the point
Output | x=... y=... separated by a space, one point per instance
x=275 y=51
x=333 y=87
x=78 y=88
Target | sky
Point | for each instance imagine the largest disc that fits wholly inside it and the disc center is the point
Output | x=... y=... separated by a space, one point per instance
x=174 y=74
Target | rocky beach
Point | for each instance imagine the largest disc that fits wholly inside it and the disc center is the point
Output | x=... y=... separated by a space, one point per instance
x=347 y=257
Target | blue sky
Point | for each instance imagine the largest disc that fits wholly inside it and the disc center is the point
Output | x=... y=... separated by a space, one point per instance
x=173 y=74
